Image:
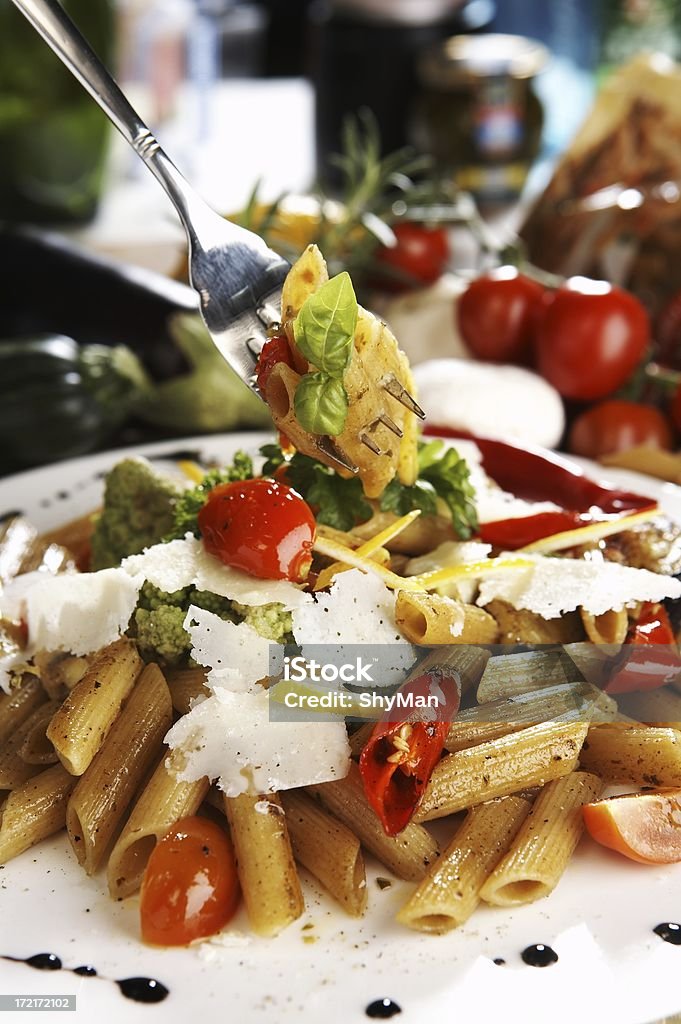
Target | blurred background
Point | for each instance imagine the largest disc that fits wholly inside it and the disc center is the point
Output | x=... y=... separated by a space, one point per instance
x=421 y=143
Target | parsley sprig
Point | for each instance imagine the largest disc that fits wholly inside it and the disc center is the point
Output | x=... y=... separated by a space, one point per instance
x=188 y=505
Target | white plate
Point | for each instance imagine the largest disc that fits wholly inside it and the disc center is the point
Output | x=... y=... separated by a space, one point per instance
x=612 y=968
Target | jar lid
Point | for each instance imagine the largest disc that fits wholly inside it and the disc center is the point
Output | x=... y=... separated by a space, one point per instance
x=462 y=58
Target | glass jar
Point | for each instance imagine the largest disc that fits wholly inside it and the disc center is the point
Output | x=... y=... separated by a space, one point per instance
x=52 y=134
x=479 y=116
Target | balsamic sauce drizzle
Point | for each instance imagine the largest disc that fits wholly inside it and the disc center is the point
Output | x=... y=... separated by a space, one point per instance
x=539 y=955
x=669 y=932
x=141 y=990
x=383 y=1009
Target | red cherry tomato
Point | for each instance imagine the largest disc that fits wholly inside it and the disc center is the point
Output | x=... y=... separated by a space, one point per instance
x=590 y=338
x=190 y=887
x=418 y=259
x=498 y=315
x=260 y=526
x=614 y=425
x=668 y=333
x=274 y=351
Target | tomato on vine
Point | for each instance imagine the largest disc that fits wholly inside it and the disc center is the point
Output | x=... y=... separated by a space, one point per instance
x=418 y=259
x=498 y=315
x=615 y=425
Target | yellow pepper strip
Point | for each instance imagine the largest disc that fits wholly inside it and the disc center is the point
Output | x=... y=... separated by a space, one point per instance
x=191 y=470
x=348 y=557
x=590 y=532
x=469 y=570
x=368 y=548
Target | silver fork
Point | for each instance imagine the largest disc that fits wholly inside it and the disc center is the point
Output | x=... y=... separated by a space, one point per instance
x=237 y=277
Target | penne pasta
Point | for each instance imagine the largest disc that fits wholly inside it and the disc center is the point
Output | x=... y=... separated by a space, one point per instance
x=162 y=802
x=509 y=675
x=545 y=843
x=429 y=619
x=17 y=706
x=450 y=892
x=14 y=770
x=638 y=754
x=486 y=722
x=59 y=672
x=609 y=628
x=264 y=858
x=74 y=536
x=103 y=794
x=523 y=627
x=81 y=724
x=421 y=536
x=186 y=685
x=34 y=811
x=328 y=849
x=660 y=707
x=36 y=748
x=407 y=855
x=522 y=760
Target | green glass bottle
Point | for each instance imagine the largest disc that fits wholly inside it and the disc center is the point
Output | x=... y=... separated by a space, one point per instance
x=53 y=136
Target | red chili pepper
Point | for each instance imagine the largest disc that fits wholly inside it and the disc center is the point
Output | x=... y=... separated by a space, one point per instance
x=541 y=476
x=655 y=660
x=398 y=759
x=274 y=351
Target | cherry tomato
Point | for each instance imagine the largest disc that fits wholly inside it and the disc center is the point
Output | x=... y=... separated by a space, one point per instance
x=399 y=756
x=260 y=526
x=645 y=827
x=590 y=338
x=615 y=425
x=190 y=887
x=418 y=259
x=275 y=350
x=498 y=315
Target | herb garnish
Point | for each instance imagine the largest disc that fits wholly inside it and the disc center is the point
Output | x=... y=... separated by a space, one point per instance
x=188 y=505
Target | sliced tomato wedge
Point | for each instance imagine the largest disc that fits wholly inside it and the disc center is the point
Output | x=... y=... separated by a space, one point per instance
x=650 y=657
x=276 y=350
x=645 y=827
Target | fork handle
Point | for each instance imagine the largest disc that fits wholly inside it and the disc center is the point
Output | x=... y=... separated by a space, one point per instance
x=52 y=22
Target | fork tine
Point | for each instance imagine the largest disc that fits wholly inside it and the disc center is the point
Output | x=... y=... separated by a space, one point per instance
x=390 y=424
x=369 y=443
x=332 y=451
x=391 y=384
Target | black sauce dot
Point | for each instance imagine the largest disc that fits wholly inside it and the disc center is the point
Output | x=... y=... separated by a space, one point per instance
x=539 y=955
x=670 y=932
x=143 y=990
x=383 y=1009
x=499 y=961
x=44 y=962
x=86 y=971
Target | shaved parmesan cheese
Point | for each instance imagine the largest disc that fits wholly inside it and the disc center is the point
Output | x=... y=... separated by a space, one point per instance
x=76 y=612
x=552 y=586
x=184 y=563
x=359 y=609
x=237 y=656
x=229 y=737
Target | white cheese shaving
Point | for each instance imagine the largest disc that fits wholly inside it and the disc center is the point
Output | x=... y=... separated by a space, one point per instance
x=184 y=563
x=76 y=612
x=229 y=737
x=237 y=656
x=554 y=586
x=358 y=609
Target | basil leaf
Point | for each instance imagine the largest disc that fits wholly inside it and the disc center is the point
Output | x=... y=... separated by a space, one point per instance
x=321 y=404
x=325 y=327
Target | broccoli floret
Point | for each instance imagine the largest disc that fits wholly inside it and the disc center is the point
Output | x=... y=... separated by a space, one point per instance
x=272 y=621
x=151 y=598
x=137 y=512
x=161 y=634
x=221 y=606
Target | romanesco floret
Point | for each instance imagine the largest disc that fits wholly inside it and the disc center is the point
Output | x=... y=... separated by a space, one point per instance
x=221 y=606
x=161 y=635
x=137 y=512
x=271 y=621
x=151 y=598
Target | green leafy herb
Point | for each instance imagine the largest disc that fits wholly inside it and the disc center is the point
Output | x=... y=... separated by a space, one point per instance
x=449 y=476
x=189 y=503
x=337 y=502
x=442 y=474
x=321 y=404
x=325 y=327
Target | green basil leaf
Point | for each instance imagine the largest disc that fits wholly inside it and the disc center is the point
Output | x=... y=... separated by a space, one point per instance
x=321 y=404
x=325 y=327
